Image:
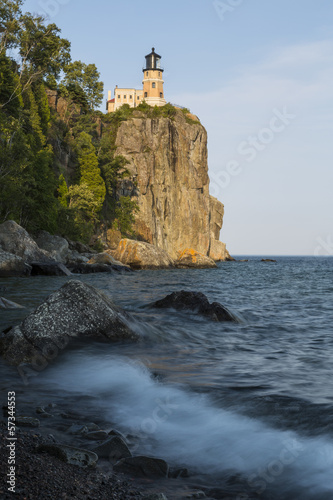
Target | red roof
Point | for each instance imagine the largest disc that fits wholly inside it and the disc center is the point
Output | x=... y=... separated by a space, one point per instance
x=112 y=100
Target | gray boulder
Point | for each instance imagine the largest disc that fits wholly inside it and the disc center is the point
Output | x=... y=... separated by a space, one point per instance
x=14 y=239
x=12 y=265
x=142 y=466
x=196 y=302
x=56 y=246
x=76 y=310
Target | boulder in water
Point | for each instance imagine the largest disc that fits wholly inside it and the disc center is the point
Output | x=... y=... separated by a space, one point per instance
x=192 y=258
x=76 y=310
x=196 y=302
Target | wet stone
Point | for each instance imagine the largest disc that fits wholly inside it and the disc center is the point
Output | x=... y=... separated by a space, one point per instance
x=97 y=435
x=142 y=466
x=70 y=454
x=77 y=429
x=22 y=421
x=114 y=449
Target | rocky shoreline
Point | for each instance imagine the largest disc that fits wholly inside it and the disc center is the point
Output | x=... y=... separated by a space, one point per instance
x=44 y=468
x=40 y=475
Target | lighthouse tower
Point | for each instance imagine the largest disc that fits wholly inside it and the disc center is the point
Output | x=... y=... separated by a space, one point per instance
x=153 y=92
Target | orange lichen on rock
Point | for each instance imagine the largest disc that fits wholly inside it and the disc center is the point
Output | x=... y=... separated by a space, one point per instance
x=191 y=258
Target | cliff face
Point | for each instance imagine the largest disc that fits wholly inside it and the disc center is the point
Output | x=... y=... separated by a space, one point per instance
x=169 y=175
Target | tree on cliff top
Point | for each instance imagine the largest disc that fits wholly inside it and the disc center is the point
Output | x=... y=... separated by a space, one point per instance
x=85 y=77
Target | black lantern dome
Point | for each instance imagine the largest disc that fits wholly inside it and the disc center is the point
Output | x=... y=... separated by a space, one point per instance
x=153 y=61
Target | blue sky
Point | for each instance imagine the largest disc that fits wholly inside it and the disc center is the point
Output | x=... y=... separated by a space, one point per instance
x=269 y=110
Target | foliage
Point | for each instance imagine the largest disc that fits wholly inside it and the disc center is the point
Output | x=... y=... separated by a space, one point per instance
x=167 y=111
x=84 y=77
x=186 y=112
x=58 y=172
x=125 y=214
x=39 y=50
x=63 y=191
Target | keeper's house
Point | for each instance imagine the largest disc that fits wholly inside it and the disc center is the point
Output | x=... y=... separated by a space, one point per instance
x=152 y=91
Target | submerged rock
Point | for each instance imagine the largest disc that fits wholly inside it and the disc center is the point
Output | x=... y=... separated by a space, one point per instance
x=70 y=454
x=85 y=268
x=196 y=302
x=8 y=304
x=192 y=258
x=12 y=265
x=142 y=255
x=75 y=310
x=142 y=466
x=27 y=421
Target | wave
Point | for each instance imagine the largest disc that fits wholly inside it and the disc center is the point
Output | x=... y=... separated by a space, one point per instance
x=186 y=428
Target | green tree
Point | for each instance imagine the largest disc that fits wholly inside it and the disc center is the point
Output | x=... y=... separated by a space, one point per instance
x=37 y=49
x=89 y=169
x=79 y=75
x=63 y=191
x=125 y=211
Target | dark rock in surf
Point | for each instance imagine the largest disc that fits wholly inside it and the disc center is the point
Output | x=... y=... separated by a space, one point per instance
x=49 y=269
x=268 y=260
x=84 y=268
x=114 y=449
x=142 y=466
x=196 y=302
x=27 y=421
x=76 y=310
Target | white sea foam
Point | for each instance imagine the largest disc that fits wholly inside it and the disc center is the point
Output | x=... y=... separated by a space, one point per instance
x=187 y=428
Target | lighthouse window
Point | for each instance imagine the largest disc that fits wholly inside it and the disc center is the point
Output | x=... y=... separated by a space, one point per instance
x=131 y=97
x=118 y=96
x=125 y=96
x=161 y=94
x=138 y=98
x=147 y=73
x=146 y=94
x=154 y=85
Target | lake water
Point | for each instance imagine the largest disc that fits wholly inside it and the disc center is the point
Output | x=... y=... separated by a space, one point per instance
x=251 y=400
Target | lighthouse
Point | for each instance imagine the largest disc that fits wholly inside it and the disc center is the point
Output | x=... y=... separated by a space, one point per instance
x=153 y=92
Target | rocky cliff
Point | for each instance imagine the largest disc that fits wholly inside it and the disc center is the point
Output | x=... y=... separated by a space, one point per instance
x=169 y=176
